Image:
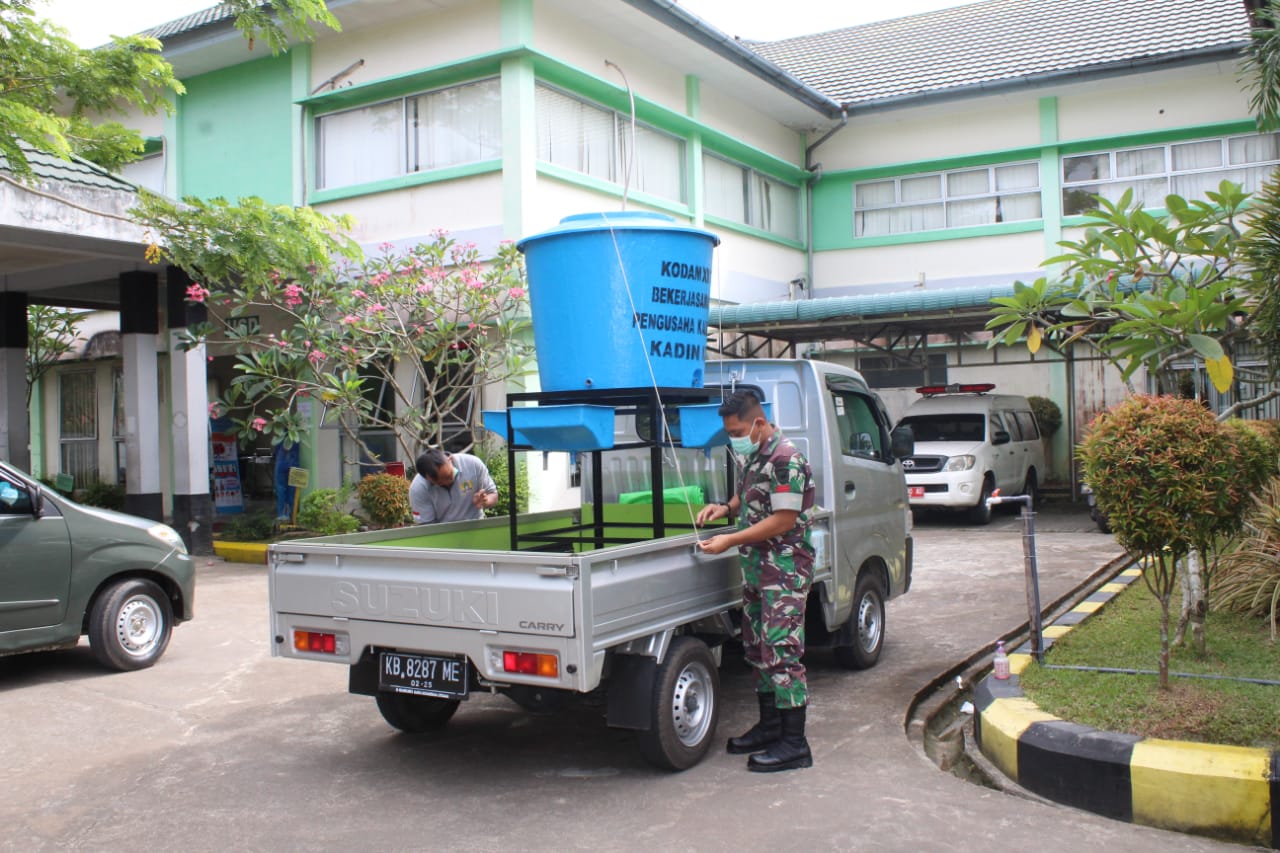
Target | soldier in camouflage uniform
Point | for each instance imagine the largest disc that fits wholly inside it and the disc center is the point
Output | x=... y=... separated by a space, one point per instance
x=775 y=494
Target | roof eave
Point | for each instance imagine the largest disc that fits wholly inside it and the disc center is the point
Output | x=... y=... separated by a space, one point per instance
x=697 y=30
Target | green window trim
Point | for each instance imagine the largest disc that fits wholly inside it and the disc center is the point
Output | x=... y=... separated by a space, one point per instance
x=409 y=83
x=962 y=233
x=1158 y=137
x=449 y=173
x=570 y=176
x=152 y=145
x=751 y=231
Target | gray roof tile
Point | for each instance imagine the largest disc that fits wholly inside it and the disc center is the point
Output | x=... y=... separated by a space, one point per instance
x=194 y=21
x=75 y=171
x=1004 y=42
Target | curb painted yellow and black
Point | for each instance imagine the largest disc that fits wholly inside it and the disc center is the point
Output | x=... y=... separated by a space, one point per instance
x=241 y=552
x=1223 y=791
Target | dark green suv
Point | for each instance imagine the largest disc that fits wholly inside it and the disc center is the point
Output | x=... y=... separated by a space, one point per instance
x=68 y=570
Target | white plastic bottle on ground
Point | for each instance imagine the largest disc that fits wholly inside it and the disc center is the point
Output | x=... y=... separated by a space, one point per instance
x=1000 y=663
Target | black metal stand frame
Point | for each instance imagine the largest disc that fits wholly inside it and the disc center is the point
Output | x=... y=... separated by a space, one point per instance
x=634 y=401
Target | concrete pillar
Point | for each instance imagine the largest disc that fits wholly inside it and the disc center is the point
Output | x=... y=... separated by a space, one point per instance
x=189 y=396
x=139 y=324
x=15 y=422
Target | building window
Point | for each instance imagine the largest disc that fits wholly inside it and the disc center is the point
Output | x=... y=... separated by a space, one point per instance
x=739 y=194
x=117 y=424
x=1189 y=169
x=886 y=371
x=983 y=195
x=78 y=425
x=596 y=141
x=432 y=130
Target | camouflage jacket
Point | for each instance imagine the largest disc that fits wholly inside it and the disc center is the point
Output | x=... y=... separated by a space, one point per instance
x=777 y=477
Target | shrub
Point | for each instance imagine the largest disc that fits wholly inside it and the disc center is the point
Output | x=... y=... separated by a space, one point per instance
x=385 y=499
x=256 y=526
x=494 y=457
x=1248 y=578
x=102 y=494
x=1047 y=413
x=323 y=511
x=1167 y=476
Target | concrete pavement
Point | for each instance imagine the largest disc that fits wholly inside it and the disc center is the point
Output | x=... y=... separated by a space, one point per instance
x=222 y=747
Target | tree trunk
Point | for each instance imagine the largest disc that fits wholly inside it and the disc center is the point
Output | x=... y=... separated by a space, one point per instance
x=1164 y=642
x=1194 y=606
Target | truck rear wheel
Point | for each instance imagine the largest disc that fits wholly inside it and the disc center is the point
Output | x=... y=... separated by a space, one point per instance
x=415 y=714
x=686 y=706
x=864 y=633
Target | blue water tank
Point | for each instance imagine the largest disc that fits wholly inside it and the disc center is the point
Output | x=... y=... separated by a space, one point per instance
x=620 y=300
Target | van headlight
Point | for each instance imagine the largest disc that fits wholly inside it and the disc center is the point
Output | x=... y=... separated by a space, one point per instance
x=168 y=536
x=960 y=463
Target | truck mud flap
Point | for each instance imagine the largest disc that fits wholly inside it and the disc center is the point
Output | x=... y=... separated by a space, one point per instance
x=630 y=692
x=363 y=676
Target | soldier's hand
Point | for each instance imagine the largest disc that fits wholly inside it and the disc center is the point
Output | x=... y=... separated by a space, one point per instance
x=711 y=512
x=715 y=545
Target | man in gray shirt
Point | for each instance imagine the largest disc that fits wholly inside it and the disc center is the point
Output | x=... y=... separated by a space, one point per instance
x=450 y=487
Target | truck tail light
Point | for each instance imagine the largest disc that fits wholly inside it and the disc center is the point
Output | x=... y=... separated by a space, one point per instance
x=530 y=663
x=321 y=642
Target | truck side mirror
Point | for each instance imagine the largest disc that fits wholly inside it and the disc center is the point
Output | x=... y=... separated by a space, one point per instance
x=902 y=442
x=1000 y=437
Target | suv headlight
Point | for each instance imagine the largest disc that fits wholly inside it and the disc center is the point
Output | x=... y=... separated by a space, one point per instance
x=168 y=536
x=960 y=463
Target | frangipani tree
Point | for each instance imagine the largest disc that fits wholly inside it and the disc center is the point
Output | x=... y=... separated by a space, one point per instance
x=398 y=342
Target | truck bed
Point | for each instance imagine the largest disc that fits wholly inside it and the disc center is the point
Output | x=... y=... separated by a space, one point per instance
x=457 y=589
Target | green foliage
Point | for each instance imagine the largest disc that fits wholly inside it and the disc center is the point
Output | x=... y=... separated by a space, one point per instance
x=1248 y=577
x=53 y=93
x=1166 y=474
x=385 y=499
x=429 y=325
x=102 y=494
x=1261 y=67
x=51 y=334
x=1047 y=413
x=256 y=526
x=1146 y=290
x=323 y=511
x=494 y=457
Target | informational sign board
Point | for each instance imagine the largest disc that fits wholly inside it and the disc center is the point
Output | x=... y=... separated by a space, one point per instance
x=228 y=493
x=299 y=477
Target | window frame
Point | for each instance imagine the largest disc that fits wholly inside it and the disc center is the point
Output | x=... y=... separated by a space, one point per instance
x=408 y=136
x=1168 y=174
x=945 y=200
x=752 y=182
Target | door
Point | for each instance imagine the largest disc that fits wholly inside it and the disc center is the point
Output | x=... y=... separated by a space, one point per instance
x=35 y=560
x=869 y=497
x=1006 y=459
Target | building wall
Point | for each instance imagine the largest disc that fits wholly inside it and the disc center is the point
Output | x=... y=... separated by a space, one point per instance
x=235 y=127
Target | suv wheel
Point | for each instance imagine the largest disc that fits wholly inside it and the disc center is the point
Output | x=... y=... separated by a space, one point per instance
x=1031 y=488
x=980 y=513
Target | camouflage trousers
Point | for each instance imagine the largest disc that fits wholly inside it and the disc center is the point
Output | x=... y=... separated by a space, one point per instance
x=775 y=586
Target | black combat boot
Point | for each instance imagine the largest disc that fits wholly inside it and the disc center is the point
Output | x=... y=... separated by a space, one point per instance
x=790 y=751
x=760 y=736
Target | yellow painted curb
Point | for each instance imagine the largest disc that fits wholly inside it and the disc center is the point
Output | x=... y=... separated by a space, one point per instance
x=1204 y=787
x=241 y=552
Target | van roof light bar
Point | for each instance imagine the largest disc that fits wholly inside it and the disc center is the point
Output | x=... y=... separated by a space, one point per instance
x=956 y=388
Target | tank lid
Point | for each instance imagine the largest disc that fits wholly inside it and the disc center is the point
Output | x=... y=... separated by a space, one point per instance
x=629 y=220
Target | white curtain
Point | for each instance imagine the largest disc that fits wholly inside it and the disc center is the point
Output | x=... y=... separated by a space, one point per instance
x=776 y=207
x=724 y=185
x=970 y=182
x=1140 y=161
x=657 y=166
x=362 y=145
x=575 y=135
x=459 y=125
x=925 y=188
x=1254 y=149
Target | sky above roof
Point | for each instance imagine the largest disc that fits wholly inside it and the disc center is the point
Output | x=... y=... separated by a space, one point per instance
x=93 y=22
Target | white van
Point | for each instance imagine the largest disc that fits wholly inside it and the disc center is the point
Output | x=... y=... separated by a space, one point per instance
x=968 y=443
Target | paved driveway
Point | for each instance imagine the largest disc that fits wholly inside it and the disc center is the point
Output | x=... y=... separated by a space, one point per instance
x=220 y=747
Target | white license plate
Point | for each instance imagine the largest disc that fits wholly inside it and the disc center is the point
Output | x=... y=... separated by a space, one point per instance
x=915 y=491
x=423 y=675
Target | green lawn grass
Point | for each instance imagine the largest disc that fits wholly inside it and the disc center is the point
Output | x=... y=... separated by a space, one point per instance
x=1126 y=634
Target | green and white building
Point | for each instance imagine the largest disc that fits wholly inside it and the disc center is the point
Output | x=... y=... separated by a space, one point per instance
x=873 y=186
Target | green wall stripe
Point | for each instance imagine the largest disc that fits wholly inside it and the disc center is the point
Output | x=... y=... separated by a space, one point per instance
x=433 y=176
x=399 y=85
x=1050 y=176
x=1158 y=137
x=519 y=144
x=300 y=67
